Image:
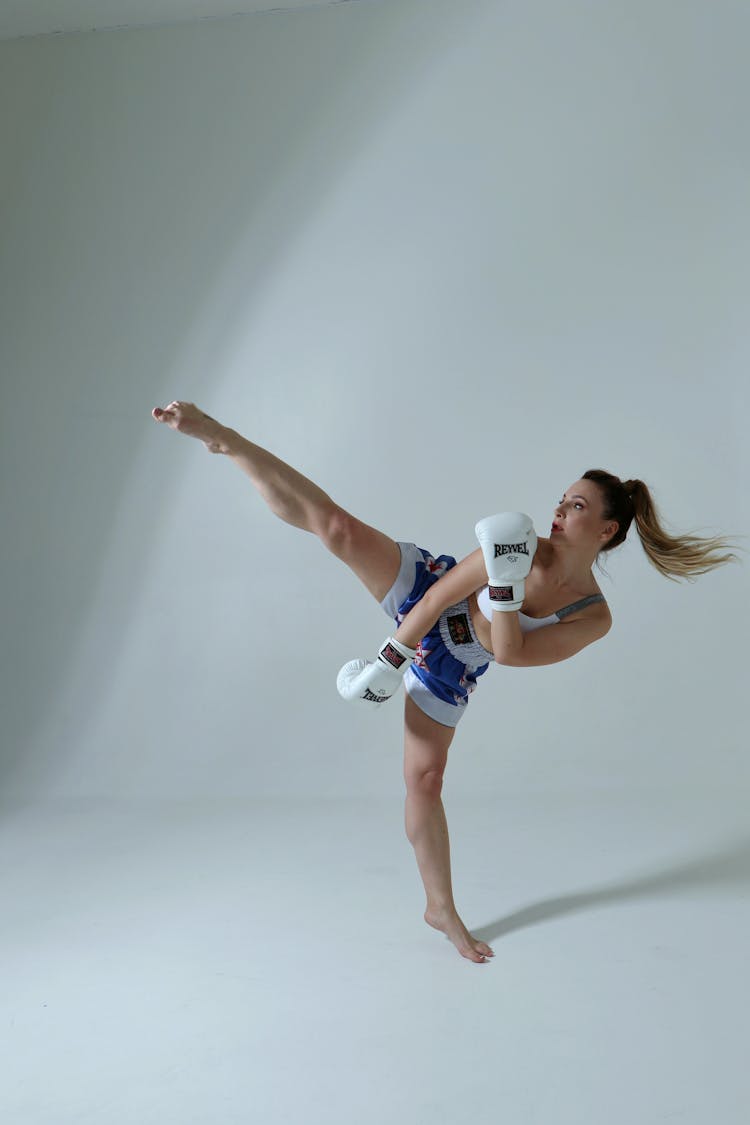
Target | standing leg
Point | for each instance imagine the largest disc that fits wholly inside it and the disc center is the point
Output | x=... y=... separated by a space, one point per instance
x=425 y=756
x=372 y=556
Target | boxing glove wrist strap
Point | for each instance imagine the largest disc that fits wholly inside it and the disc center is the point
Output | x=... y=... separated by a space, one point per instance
x=396 y=654
x=507 y=597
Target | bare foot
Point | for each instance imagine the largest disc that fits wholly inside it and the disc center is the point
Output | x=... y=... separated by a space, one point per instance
x=186 y=418
x=451 y=925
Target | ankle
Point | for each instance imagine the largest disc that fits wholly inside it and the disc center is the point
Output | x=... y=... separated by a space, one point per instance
x=228 y=440
x=440 y=909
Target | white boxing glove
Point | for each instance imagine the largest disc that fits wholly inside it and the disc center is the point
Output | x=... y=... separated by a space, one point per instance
x=361 y=681
x=508 y=543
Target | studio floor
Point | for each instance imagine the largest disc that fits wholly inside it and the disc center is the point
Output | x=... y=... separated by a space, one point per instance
x=233 y=963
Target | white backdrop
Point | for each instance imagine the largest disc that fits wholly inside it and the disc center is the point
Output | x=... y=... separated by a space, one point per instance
x=443 y=259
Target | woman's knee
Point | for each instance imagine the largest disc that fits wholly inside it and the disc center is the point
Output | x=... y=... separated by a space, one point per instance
x=426 y=784
x=371 y=555
x=334 y=530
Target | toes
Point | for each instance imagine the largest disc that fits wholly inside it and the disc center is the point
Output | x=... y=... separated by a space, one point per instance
x=472 y=954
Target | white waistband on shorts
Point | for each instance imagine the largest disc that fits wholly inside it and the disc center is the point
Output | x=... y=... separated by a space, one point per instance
x=473 y=654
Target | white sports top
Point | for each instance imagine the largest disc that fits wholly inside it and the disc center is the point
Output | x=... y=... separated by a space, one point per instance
x=528 y=624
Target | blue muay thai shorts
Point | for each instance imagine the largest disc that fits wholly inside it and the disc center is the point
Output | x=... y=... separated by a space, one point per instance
x=449 y=658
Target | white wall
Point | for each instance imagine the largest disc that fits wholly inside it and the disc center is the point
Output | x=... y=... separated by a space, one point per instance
x=443 y=257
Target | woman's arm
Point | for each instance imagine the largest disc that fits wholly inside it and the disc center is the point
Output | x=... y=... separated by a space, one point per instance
x=507 y=638
x=455 y=585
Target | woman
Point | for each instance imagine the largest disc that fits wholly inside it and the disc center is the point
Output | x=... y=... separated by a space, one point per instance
x=445 y=620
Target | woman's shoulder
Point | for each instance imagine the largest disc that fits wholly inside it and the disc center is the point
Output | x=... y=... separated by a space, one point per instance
x=580 y=599
x=589 y=602
x=593 y=604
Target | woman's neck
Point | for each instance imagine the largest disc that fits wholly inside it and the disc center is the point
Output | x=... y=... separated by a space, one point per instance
x=562 y=569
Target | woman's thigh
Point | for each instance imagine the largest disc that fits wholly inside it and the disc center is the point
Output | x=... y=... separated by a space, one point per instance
x=374 y=557
x=426 y=743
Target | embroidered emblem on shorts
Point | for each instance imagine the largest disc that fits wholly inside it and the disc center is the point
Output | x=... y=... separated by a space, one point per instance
x=458 y=627
x=435 y=567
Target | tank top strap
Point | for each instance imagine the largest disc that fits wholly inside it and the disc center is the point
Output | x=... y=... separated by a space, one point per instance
x=592 y=599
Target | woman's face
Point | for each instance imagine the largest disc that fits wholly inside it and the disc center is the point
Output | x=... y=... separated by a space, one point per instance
x=578 y=516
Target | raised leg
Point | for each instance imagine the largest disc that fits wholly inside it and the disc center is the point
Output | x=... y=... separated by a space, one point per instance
x=372 y=556
x=426 y=746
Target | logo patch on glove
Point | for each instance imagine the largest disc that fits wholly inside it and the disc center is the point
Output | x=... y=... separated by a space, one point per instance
x=392 y=656
x=501 y=593
x=372 y=698
x=511 y=549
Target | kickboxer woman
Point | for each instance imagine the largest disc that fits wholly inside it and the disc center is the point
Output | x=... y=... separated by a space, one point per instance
x=518 y=600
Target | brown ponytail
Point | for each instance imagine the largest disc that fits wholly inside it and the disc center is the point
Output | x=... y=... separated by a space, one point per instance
x=676 y=557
